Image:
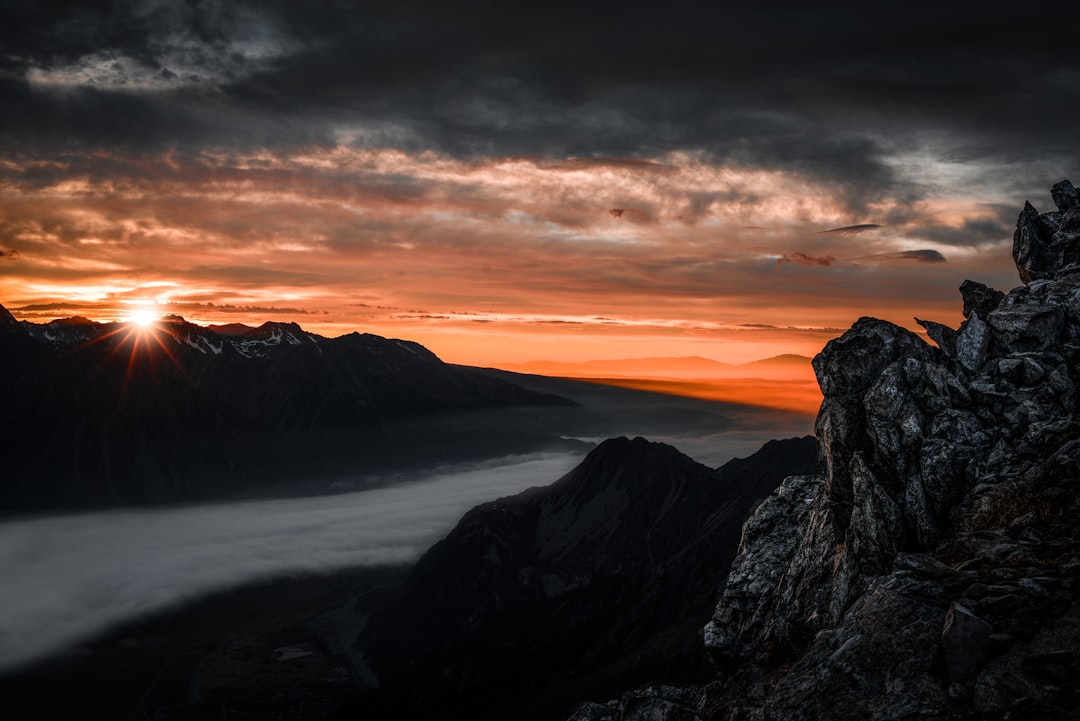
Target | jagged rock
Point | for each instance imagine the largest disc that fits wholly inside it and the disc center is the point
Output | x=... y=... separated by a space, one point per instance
x=590 y=711
x=878 y=663
x=1065 y=195
x=979 y=298
x=1026 y=328
x=932 y=570
x=965 y=642
x=1030 y=250
x=943 y=335
x=972 y=343
x=1065 y=241
x=846 y=369
x=764 y=607
x=654 y=703
x=1049 y=223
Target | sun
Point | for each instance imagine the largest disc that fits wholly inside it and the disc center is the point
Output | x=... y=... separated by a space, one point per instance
x=143 y=317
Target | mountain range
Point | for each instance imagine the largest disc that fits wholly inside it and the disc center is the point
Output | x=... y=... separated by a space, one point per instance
x=782 y=366
x=114 y=413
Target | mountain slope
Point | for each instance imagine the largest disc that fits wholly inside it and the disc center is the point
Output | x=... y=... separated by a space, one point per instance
x=595 y=581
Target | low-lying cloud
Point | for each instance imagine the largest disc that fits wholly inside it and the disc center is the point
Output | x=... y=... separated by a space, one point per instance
x=69 y=577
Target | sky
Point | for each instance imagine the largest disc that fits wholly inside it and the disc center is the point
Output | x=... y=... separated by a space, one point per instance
x=505 y=183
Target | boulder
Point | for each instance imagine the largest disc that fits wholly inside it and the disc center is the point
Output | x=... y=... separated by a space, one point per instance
x=943 y=335
x=1026 y=328
x=979 y=298
x=1065 y=242
x=1065 y=195
x=1030 y=250
x=965 y=643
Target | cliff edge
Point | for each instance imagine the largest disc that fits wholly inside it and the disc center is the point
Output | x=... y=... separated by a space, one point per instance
x=931 y=568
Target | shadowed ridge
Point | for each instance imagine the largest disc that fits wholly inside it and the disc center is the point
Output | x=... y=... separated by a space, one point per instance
x=119 y=414
x=570 y=589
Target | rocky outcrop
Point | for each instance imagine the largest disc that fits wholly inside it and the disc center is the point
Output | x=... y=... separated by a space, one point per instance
x=600 y=580
x=1048 y=244
x=931 y=568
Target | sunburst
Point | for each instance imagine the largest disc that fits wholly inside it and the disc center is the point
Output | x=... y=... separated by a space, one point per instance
x=143 y=316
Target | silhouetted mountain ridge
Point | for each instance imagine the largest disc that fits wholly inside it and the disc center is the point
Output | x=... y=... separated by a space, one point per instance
x=107 y=413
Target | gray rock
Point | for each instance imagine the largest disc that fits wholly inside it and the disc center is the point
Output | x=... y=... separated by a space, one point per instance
x=943 y=335
x=1027 y=328
x=979 y=298
x=780 y=587
x=589 y=711
x=1065 y=242
x=965 y=642
x=1049 y=223
x=847 y=368
x=972 y=343
x=1065 y=195
x=1030 y=250
x=873 y=665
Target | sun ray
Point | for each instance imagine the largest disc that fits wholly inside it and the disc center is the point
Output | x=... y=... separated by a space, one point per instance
x=143 y=316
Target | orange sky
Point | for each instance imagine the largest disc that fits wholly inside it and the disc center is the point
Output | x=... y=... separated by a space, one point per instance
x=499 y=260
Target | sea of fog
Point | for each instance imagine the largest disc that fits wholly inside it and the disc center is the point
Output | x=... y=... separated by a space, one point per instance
x=68 y=577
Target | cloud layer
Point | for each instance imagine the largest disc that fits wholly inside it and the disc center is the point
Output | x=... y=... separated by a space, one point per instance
x=428 y=245
x=70 y=577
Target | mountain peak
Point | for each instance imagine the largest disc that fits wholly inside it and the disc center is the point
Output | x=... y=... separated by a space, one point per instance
x=231 y=329
x=606 y=568
x=7 y=319
x=73 y=321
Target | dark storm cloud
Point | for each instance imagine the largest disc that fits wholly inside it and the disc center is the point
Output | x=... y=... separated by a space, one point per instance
x=919 y=256
x=977 y=232
x=851 y=229
x=827 y=91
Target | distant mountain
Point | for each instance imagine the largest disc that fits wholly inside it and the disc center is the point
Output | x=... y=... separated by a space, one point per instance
x=571 y=590
x=682 y=364
x=784 y=382
x=110 y=413
x=785 y=361
x=676 y=367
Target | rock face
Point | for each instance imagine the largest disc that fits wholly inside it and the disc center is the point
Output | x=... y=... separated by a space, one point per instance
x=1048 y=244
x=600 y=580
x=931 y=568
x=98 y=414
